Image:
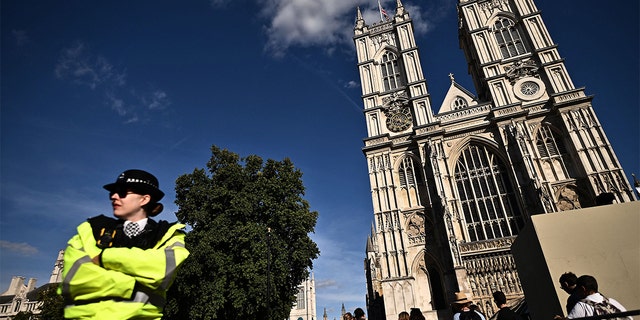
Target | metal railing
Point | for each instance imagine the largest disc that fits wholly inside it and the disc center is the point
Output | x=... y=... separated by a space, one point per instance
x=612 y=315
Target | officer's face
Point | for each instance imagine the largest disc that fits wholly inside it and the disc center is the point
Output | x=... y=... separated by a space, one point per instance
x=127 y=205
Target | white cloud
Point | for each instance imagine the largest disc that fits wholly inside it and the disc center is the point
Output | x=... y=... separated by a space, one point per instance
x=158 y=100
x=352 y=84
x=21 y=37
x=329 y=23
x=80 y=66
x=116 y=104
x=219 y=3
x=307 y=23
x=21 y=248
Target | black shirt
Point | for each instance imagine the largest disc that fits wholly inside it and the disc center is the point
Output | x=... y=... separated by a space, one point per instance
x=507 y=314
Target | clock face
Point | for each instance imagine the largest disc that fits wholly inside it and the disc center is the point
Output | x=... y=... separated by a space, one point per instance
x=399 y=120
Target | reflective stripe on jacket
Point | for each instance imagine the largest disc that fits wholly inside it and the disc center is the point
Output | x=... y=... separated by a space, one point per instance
x=131 y=283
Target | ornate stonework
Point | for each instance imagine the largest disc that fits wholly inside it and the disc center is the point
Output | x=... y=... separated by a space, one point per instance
x=484 y=246
x=415 y=229
x=521 y=69
x=492 y=5
x=451 y=191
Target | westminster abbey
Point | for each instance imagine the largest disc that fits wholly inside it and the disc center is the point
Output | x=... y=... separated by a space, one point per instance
x=452 y=189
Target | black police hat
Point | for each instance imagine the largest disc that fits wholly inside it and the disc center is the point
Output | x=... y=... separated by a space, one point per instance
x=139 y=181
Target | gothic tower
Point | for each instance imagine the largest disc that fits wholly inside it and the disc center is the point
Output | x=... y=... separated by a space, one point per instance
x=305 y=305
x=451 y=190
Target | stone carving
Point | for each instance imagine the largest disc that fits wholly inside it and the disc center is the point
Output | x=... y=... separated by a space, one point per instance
x=463 y=113
x=491 y=272
x=395 y=101
x=415 y=229
x=546 y=199
x=376 y=141
x=400 y=140
x=482 y=246
x=521 y=69
x=568 y=198
x=379 y=40
x=491 y=5
x=387 y=219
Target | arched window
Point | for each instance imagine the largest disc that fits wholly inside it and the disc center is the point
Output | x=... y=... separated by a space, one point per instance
x=409 y=177
x=459 y=103
x=390 y=71
x=553 y=153
x=486 y=196
x=300 y=299
x=375 y=125
x=548 y=145
x=508 y=38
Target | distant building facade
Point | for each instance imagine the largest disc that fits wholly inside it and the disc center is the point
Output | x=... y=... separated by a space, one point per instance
x=21 y=297
x=452 y=189
x=305 y=306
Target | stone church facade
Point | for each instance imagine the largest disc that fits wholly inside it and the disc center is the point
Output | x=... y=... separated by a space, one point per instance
x=305 y=306
x=24 y=298
x=452 y=189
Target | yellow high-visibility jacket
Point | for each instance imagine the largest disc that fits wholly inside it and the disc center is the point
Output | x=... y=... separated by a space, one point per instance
x=129 y=282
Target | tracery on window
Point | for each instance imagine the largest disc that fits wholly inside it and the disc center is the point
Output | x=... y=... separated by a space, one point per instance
x=508 y=37
x=553 y=153
x=409 y=177
x=486 y=196
x=548 y=144
x=459 y=103
x=390 y=71
x=300 y=299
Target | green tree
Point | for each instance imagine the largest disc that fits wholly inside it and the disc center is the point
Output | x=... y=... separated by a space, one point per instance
x=52 y=304
x=249 y=239
x=23 y=315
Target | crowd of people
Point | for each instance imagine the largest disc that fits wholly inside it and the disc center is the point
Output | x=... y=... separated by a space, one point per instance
x=584 y=301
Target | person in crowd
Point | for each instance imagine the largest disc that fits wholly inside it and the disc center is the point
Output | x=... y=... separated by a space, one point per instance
x=403 y=315
x=593 y=302
x=416 y=314
x=358 y=314
x=568 y=284
x=462 y=311
x=347 y=316
x=476 y=308
x=122 y=267
x=505 y=313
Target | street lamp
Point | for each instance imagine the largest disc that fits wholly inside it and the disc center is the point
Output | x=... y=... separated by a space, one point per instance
x=268 y=273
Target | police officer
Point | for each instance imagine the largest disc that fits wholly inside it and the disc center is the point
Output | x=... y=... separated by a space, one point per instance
x=122 y=267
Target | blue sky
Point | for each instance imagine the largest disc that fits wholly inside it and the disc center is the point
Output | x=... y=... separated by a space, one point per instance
x=91 y=88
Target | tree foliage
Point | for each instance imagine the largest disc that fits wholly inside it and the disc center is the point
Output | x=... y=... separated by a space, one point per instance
x=52 y=304
x=23 y=315
x=249 y=239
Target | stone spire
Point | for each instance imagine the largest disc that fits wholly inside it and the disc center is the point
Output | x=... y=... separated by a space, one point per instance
x=359 y=20
x=399 y=8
